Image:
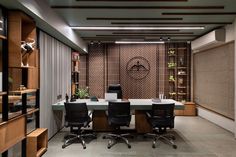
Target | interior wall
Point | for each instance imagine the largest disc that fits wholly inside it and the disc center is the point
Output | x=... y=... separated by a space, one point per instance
x=106 y=64
x=55 y=80
x=214 y=79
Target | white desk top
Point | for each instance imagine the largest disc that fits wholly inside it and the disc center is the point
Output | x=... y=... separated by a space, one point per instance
x=135 y=104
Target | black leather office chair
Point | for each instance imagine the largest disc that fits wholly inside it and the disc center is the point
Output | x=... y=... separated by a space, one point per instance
x=162 y=117
x=115 y=88
x=77 y=117
x=118 y=115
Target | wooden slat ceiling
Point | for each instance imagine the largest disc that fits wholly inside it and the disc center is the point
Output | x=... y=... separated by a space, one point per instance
x=152 y=13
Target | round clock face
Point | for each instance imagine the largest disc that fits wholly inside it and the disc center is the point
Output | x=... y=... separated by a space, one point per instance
x=138 y=67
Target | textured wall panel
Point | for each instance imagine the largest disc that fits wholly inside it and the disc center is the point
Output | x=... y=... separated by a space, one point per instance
x=143 y=88
x=213 y=78
x=113 y=64
x=96 y=70
x=82 y=70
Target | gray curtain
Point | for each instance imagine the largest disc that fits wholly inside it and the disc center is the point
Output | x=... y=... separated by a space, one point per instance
x=55 y=79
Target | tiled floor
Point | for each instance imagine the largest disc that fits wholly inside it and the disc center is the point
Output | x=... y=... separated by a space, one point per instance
x=195 y=137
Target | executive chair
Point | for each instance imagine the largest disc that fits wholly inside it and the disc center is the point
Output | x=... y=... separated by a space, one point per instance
x=76 y=117
x=160 y=118
x=115 y=88
x=118 y=115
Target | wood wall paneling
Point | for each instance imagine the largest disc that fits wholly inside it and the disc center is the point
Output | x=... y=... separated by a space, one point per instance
x=82 y=70
x=96 y=70
x=143 y=88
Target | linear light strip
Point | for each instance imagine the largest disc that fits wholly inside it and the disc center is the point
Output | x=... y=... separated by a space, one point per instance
x=137 y=28
x=139 y=42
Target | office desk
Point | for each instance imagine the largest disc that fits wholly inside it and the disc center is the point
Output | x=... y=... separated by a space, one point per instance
x=138 y=105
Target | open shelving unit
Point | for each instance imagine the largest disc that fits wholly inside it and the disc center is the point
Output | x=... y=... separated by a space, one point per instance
x=74 y=72
x=23 y=70
x=178 y=75
x=178 y=67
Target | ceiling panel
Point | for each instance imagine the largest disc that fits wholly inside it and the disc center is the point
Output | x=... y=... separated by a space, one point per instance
x=145 y=13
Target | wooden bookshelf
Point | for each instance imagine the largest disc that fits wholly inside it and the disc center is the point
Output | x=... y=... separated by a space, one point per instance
x=178 y=67
x=74 y=72
x=23 y=65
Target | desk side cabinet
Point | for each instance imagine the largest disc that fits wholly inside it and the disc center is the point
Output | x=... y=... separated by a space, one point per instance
x=189 y=110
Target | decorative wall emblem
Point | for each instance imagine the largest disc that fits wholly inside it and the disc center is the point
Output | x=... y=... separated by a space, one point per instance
x=138 y=67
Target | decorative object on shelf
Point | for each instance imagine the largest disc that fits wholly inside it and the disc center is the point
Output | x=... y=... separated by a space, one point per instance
x=10 y=82
x=171 y=52
x=181 y=61
x=180 y=81
x=138 y=67
x=67 y=97
x=28 y=46
x=172 y=93
x=171 y=78
x=171 y=65
x=82 y=93
x=181 y=72
x=75 y=56
x=22 y=87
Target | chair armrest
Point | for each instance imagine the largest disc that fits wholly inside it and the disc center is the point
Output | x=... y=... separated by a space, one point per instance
x=148 y=114
x=90 y=113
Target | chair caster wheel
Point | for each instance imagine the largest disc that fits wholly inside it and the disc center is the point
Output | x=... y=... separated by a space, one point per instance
x=108 y=147
x=129 y=146
x=153 y=146
x=104 y=137
x=84 y=147
x=63 y=147
x=174 y=146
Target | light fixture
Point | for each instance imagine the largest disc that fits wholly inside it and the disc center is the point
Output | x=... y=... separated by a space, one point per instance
x=168 y=38
x=1 y=21
x=161 y=38
x=138 y=28
x=99 y=42
x=139 y=42
x=91 y=42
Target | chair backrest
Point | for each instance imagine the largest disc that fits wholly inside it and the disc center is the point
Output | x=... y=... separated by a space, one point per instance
x=76 y=112
x=163 y=111
x=115 y=88
x=119 y=109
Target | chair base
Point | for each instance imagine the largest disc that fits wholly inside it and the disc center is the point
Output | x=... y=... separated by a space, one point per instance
x=74 y=137
x=113 y=139
x=167 y=137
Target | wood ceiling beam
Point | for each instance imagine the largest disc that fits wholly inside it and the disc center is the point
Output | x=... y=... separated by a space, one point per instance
x=171 y=23
x=119 y=18
x=150 y=33
x=133 y=0
x=201 y=13
x=135 y=7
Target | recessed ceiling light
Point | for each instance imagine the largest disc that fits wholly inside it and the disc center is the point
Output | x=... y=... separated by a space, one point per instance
x=137 y=28
x=139 y=42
